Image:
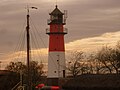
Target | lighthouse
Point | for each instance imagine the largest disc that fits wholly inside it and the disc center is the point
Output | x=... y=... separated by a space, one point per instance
x=56 y=57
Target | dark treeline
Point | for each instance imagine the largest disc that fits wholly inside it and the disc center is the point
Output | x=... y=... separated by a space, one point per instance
x=96 y=71
x=36 y=72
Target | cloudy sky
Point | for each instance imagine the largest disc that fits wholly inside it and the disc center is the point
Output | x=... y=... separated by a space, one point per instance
x=91 y=23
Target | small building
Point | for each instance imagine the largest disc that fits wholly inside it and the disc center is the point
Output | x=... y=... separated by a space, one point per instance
x=93 y=82
x=8 y=79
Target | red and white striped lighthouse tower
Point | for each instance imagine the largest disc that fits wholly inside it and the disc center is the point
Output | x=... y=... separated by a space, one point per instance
x=56 y=58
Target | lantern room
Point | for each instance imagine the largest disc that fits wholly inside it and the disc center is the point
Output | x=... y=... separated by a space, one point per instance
x=57 y=17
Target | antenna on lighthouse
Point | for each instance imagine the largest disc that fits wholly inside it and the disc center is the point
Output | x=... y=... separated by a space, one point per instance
x=56 y=2
x=65 y=15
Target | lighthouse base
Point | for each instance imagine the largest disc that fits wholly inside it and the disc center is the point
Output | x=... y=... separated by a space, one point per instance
x=53 y=81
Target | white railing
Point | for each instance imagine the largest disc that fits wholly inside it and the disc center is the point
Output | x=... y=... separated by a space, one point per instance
x=49 y=21
x=65 y=31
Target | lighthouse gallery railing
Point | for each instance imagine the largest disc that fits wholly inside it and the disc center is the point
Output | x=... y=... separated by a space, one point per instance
x=65 y=31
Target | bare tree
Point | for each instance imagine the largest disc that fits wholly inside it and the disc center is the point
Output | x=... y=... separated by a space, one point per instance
x=110 y=58
x=16 y=67
x=104 y=57
x=75 y=63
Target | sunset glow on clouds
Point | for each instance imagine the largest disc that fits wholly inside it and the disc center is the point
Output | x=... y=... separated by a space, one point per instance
x=89 y=45
x=39 y=55
x=92 y=44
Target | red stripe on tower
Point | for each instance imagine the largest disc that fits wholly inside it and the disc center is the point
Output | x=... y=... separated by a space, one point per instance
x=56 y=40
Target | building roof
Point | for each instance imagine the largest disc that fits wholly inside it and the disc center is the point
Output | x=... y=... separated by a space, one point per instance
x=56 y=11
x=4 y=72
x=89 y=81
x=8 y=79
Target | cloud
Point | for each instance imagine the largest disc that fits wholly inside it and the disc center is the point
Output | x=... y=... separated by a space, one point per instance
x=3 y=32
x=92 y=44
x=39 y=55
x=107 y=38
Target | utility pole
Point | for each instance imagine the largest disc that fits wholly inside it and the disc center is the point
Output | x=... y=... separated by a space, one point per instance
x=29 y=85
x=28 y=52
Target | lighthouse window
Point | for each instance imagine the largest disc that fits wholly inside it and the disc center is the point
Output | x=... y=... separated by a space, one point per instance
x=54 y=17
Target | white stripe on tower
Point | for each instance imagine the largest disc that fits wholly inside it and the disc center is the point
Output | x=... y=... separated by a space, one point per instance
x=56 y=64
